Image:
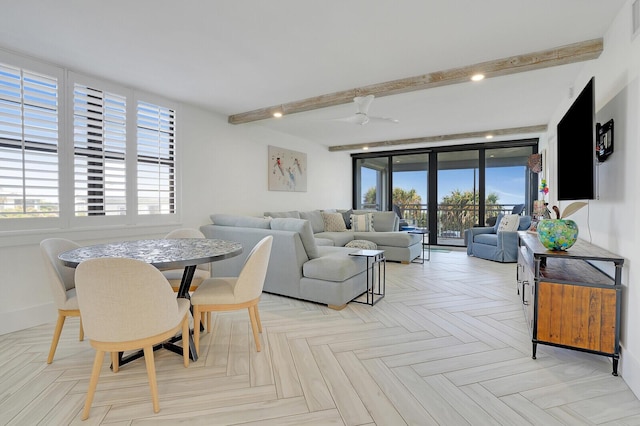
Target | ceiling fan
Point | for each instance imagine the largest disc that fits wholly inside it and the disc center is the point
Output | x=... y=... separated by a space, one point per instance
x=362 y=117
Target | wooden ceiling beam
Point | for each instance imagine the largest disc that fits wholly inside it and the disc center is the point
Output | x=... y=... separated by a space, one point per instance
x=457 y=136
x=577 y=52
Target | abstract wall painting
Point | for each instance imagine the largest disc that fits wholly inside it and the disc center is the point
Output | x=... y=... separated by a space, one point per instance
x=287 y=170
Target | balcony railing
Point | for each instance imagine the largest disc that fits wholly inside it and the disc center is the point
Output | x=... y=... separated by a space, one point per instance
x=453 y=219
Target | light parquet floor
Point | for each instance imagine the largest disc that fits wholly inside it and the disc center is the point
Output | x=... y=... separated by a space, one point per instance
x=448 y=345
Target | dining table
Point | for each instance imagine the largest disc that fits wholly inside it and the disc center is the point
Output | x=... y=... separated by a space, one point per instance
x=164 y=253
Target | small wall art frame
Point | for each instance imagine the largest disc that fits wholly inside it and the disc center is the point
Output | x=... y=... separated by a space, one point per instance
x=287 y=170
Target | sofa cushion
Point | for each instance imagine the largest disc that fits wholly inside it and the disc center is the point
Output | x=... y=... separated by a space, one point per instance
x=487 y=239
x=324 y=242
x=293 y=214
x=315 y=218
x=240 y=221
x=334 y=264
x=525 y=223
x=333 y=222
x=340 y=239
x=362 y=222
x=390 y=239
x=384 y=221
x=302 y=227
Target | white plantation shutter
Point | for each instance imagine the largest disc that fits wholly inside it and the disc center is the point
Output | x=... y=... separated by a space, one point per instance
x=28 y=144
x=77 y=151
x=99 y=138
x=156 y=159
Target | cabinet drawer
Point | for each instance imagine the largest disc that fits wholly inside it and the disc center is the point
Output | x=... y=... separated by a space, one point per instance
x=579 y=316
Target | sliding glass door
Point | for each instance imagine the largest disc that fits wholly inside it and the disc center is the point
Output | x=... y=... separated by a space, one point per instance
x=409 y=196
x=458 y=195
x=447 y=189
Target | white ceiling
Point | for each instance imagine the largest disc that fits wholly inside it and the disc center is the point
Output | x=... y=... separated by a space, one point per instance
x=235 y=56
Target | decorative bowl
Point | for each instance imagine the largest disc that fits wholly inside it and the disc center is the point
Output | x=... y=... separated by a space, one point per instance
x=557 y=234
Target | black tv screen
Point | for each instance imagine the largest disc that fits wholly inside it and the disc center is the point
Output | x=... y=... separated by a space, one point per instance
x=576 y=143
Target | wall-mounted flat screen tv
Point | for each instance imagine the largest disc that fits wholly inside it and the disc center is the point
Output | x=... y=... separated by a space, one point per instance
x=576 y=144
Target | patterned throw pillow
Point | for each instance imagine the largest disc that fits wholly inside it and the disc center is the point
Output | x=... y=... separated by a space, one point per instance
x=362 y=222
x=362 y=244
x=509 y=222
x=333 y=222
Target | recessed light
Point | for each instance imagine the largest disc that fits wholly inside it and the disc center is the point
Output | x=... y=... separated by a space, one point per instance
x=277 y=114
x=477 y=77
x=489 y=137
x=364 y=148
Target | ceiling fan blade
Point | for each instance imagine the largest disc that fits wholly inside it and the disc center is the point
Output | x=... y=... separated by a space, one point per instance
x=357 y=118
x=383 y=119
x=363 y=103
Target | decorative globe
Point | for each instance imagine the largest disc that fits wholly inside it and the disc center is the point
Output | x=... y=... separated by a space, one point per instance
x=557 y=234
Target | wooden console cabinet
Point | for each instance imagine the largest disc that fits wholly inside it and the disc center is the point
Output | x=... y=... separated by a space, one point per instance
x=568 y=300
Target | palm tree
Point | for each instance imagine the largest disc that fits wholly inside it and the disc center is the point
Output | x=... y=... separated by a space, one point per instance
x=458 y=210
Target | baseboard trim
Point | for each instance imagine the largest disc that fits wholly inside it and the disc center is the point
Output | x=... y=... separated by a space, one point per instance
x=27 y=318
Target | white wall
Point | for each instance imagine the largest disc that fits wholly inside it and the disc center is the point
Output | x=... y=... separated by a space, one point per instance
x=611 y=221
x=227 y=173
x=224 y=170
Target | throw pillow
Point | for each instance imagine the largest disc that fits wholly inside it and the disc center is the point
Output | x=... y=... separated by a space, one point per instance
x=346 y=216
x=362 y=222
x=362 y=244
x=509 y=222
x=333 y=222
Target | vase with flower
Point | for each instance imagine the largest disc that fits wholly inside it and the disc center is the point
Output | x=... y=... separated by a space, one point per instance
x=560 y=233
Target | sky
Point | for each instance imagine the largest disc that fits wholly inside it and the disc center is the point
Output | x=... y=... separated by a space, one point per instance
x=507 y=182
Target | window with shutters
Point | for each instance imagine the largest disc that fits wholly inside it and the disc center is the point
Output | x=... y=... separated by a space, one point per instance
x=156 y=159
x=28 y=144
x=76 y=151
x=100 y=145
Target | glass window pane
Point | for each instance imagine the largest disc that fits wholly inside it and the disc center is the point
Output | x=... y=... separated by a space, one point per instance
x=410 y=188
x=372 y=174
x=458 y=195
x=506 y=179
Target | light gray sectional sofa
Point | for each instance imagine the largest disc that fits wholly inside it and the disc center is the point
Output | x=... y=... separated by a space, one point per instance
x=398 y=246
x=299 y=267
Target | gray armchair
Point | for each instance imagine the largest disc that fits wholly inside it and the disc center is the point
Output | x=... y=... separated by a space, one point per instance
x=487 y=243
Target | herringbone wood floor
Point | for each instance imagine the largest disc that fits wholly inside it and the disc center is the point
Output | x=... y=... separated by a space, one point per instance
x=448 y=345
